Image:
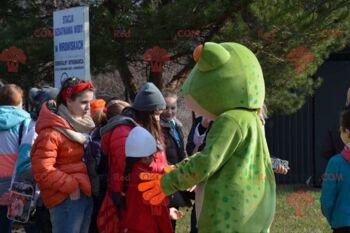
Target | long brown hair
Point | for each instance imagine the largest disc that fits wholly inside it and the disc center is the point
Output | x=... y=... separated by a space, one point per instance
x=149 y=122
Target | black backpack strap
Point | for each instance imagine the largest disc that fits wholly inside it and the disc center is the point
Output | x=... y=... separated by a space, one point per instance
x=20 y=132
x=87 y=150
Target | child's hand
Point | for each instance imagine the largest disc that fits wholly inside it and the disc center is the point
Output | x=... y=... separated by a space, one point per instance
x=280 y=169
x=175 y=214
x=280 y=166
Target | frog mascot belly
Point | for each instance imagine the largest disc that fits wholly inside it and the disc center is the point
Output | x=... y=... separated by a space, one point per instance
x=237 y=185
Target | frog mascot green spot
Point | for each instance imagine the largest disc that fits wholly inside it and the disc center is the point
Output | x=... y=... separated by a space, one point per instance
x=236 y=190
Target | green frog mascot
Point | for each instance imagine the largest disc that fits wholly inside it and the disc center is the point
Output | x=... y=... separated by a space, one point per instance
x=236 y=190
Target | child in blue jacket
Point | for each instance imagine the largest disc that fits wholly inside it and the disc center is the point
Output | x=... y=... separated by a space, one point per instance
x=335 y=200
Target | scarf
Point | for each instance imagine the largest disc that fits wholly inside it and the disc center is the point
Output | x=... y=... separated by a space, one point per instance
x=81 y=126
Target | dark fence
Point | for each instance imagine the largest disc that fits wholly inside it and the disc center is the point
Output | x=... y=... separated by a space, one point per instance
x=301 y=137
x=291 y=137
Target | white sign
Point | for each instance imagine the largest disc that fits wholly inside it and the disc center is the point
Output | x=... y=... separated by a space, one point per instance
x=71 y=44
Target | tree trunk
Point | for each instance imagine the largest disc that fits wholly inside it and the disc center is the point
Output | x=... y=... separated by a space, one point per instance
x=156 y=79
x=127 y=78
x=179 y=78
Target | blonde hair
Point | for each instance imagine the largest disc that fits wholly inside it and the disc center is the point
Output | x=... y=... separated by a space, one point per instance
x=11 y=94
x=169 y=94
x=99 y=117
x=115 y=107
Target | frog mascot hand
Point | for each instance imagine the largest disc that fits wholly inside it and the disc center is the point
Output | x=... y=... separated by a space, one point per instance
x=237 y=191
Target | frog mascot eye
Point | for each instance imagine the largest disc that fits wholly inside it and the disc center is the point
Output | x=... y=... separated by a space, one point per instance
x=214 y=56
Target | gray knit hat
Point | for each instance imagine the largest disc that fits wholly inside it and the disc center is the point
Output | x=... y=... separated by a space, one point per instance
x=149 y=98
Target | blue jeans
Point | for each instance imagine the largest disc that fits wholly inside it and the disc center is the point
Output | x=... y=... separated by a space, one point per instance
x=72 y=216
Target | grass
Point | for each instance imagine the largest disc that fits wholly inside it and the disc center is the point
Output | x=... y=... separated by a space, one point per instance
x=307 y=218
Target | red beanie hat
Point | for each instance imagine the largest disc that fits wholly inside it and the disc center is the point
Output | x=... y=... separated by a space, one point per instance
x=95 y=105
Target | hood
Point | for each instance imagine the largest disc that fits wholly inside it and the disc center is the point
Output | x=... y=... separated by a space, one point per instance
x=226 y=76
x=38 y=96
x=11 y=116
x=115 y=121
x=48 y=118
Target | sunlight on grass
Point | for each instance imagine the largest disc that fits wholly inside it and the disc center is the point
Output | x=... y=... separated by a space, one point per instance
x=298 y=211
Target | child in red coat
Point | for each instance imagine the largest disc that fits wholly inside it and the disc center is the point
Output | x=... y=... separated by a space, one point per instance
x=139 y=216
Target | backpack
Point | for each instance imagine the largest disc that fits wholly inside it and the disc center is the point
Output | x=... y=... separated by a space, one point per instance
x=96 y=163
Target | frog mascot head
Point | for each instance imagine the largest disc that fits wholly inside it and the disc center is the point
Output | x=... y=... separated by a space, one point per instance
x=226 y=76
